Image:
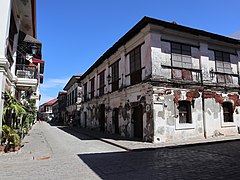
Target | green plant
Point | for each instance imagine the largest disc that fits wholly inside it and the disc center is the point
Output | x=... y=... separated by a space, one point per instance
x=25 y=130
x=30 y=116
x=11 y=138
x=6 y=131
x=12 y=105
x=14 y=139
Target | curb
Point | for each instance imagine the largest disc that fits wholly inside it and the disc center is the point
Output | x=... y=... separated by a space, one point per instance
x=101 y=139
x=170 y=146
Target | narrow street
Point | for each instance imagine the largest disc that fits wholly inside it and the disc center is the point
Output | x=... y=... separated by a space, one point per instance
x=51 y=153
x=57 y=152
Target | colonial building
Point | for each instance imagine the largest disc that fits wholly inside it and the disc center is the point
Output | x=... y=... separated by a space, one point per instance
x=55 y=111
x=20 y=52
x=164 y=82
x=73 y=89
x=46 y=110
x=62 y=104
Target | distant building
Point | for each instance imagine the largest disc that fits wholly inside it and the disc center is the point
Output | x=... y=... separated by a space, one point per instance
x=74 y=90
x=164 y=82
x=46 y=111
x=55 y=112
x=62 y=104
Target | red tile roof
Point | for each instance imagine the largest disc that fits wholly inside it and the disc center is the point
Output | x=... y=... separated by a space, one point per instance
x=51 y=101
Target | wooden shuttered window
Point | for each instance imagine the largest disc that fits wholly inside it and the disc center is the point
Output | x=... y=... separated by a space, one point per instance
x=135 y=66
x=101 y=83
x=115 y=76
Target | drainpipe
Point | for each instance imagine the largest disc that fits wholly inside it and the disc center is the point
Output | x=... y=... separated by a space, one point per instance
x=204 y=119
x=202 y=84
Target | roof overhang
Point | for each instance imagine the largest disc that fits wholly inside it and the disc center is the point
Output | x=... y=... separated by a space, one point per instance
x=26 y=10
x=31 y=39
x=71 y=82
x=143 y=23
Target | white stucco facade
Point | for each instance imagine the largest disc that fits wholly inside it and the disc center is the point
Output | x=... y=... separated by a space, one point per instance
x=185 y=95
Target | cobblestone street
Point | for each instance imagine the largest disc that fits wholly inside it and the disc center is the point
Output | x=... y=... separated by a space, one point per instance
x=54 y=152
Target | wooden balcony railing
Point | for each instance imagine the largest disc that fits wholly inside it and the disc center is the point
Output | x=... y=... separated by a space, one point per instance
x=24 y=71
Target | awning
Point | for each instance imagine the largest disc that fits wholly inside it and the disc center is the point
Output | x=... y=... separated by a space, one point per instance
x=41 y=62
x=35 y=60
x=41 y=79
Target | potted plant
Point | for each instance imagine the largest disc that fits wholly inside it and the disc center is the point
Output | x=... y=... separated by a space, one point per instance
x=11 y=141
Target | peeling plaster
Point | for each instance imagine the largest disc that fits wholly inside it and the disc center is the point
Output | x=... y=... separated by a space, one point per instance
x=170 y=121
x=192 y=94
x=200 y=130
x=209 y=94
x=235 y=99
x=161 y=114
x=177 y=96
x=161 y=130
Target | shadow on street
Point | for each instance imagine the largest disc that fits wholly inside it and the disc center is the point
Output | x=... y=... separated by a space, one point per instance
x=216 y=161
x=88 y=134
x=205 y=161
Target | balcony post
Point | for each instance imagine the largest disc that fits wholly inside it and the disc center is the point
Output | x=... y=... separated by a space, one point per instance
x=2 y=90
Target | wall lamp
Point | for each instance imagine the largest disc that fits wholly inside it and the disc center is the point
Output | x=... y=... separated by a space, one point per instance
x=34 y=49
x=109 y=77
x=212 y=73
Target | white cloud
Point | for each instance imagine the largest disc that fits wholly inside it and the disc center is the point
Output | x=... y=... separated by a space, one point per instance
x=50 y=88
x=54 y=83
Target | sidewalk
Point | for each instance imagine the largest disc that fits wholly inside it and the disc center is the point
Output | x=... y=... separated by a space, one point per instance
x=35 y=146
x=134 y=145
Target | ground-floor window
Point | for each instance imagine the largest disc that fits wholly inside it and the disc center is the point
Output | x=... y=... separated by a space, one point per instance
x=227 y=112
x=185 y=112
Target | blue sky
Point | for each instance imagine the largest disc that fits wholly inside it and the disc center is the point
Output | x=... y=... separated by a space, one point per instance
x=75 y=33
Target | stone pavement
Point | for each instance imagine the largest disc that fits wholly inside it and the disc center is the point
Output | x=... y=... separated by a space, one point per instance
x=60 y=152
x=50 y=153
x=205 y=160
x=29 y=151
x=133 y=145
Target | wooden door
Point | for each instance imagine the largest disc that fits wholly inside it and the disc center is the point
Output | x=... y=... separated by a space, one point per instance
x=85 y=119
x=102 y=117
x=137 y=117
x=115 y=120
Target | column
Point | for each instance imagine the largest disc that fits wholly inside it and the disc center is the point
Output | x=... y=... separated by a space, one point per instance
x=5 y=9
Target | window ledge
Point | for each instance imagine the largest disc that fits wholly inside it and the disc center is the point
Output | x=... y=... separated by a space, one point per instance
x=228 y=124
x=181 y=68
x=184 y=126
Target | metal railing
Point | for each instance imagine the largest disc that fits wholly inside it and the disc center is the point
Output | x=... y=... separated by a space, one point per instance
x=24 y=71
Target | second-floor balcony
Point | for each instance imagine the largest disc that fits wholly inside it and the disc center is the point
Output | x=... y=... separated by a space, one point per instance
x=24 y=71
x=27 y=76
